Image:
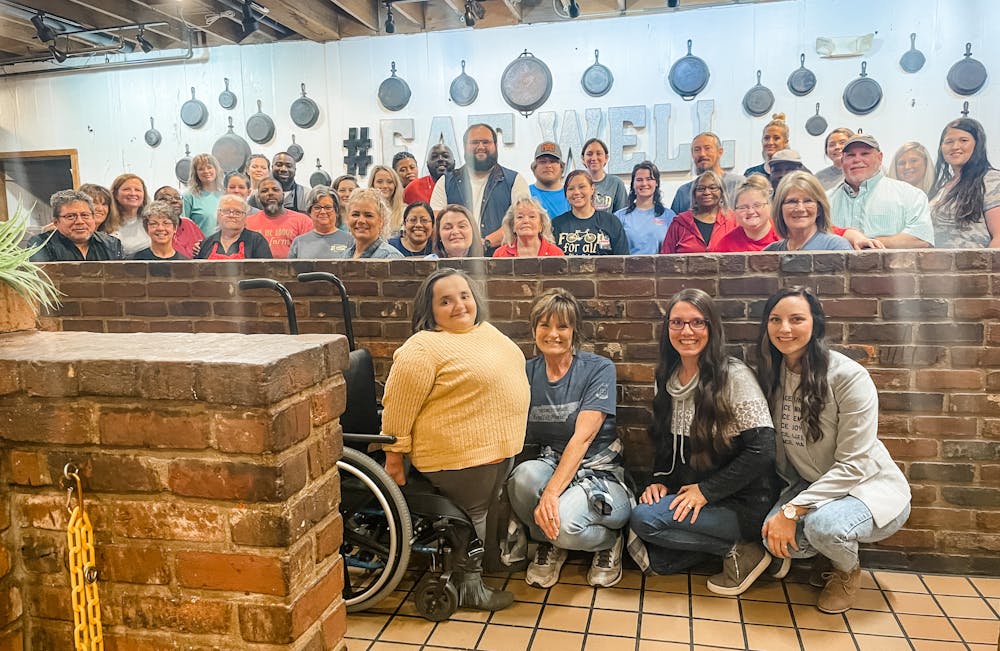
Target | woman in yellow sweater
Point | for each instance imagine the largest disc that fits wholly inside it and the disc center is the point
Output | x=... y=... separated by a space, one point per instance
x=456 y=400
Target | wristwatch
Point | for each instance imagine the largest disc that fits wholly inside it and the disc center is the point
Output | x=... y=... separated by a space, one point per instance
x=790 y=512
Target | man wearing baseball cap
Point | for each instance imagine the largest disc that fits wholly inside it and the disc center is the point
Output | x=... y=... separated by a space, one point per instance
x=893 y=212
x=784 y=162
x=548 y=167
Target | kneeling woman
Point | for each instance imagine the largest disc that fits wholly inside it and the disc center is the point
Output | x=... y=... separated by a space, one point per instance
x=842 y=487
x=714 y=467
x=456 y=400
x=574 y=495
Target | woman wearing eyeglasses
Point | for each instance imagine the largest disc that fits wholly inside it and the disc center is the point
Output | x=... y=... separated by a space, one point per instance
x=803 y=218
x=418 y=226
x=696 y=230
x=713 y=473
x=325 y=240
x=753 y=217
x=233 y=240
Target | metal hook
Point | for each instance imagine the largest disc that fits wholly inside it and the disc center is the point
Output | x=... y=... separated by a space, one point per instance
x=70 y=471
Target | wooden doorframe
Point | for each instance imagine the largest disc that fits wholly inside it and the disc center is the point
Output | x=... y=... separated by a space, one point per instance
x=38 y=154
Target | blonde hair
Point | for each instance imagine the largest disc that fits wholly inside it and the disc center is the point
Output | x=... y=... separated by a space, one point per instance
x=394 y=222
x=809 y=184
x=928 y=180
x=194 y=183
x=754 y=182
x=507 y=225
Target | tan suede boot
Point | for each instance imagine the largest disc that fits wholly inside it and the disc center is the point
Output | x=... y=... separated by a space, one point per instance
x=840 y=591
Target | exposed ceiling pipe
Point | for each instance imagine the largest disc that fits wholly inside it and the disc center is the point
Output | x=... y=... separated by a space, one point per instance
x=58 y=25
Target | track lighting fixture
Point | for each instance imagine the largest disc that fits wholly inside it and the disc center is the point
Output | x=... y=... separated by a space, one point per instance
x=574 y=9
x=57 y=54
x=390 y=23
x=45 y=33
x=470 y=16
x=249 y=21
x=673 y=3
x=140 y=38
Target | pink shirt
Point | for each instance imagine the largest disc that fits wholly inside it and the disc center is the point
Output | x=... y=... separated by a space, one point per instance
x=279 y=231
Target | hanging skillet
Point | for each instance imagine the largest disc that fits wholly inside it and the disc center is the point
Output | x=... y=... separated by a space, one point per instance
x=913 y=59
x=304 y=111
x=597 y=79
x=802 y=81
x=194 y=113
x=227 y=98
x=758 y=100
x=260 y=127
x=231 y=150
x=526 y=83
x=153 y=137
x=394 y=92
x=320 y=176
x=967 y=76
x=816 y=125
x=864 y=94
x=182 y=170
x=688 y=76
x=464 y=89
x=295 y=150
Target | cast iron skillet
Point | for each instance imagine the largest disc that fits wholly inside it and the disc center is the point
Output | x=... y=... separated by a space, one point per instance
x=194 y=113
x=295 y=150
x=260 y=127
x=231 y=150
x=464 y=90
x=597 y=79
x=913 y=59
x=688 y=76
x=863 y=95
x=182 y=170
x=304 y=110
x=526 y=83
x=394 y=92
x=153 y=137
x=802 y=81
x=320 y=176
x=967 y=76
x=758 y=100
x=227 y=98
x=816 y=125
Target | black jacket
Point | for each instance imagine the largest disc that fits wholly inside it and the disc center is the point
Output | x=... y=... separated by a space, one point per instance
x=59 y=248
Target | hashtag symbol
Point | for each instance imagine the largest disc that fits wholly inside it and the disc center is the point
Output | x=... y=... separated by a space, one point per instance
x=357 y=159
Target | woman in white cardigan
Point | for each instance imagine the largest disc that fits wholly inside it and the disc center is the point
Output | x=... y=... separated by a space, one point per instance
x=841 y=486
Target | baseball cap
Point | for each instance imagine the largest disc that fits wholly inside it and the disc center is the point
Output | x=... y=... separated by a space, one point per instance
x=549 y=148
x=789 y=156
x=864 y=139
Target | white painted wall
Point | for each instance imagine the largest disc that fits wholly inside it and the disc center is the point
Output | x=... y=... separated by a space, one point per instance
x=105 y=114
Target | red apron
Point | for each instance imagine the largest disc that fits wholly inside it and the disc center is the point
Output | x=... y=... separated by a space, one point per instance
x=216 y=255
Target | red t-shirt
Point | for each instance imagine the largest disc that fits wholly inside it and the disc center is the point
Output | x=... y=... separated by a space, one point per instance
x=281 y=230
x=736 y=241
x=510 y=250
x=186 y=236
x=419 y=190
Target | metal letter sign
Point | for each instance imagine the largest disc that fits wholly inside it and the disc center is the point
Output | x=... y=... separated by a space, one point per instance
x=618 y=117
x=402 y=127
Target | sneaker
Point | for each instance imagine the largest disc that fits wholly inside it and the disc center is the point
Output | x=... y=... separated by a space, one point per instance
x=606 y=568
x=779 y=567
x=543 y=572
x=841 y=588
x=741 y=567
x=821 y=567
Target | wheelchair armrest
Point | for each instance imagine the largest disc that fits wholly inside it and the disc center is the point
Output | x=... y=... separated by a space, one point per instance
x=369 y=438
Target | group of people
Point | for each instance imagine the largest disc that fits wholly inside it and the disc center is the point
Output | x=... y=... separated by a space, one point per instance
x=485 y=209
x=755 y=463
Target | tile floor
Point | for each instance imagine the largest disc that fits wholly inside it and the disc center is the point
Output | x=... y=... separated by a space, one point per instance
x=895 y=610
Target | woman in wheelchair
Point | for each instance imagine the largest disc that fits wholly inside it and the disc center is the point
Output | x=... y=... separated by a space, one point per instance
x=574 y=495
x=456 y=400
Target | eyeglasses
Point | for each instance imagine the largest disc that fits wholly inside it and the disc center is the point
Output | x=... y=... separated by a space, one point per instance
x=697 y=325
x=706 y=188
x=326 y=209
x=232 y=212
x=73 y=216
x=413 y=221
x=480 y=143
x=745 y=207
x=806 y=203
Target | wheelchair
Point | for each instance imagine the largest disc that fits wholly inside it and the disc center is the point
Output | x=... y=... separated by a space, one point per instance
x=384 y=524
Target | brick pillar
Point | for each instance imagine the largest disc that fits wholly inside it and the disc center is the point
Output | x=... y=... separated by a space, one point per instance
x=209 y=466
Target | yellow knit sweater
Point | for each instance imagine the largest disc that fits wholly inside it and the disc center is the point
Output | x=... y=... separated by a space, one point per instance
x=456 y=400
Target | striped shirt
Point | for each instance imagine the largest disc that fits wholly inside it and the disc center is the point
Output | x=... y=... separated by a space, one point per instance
x=882 y=206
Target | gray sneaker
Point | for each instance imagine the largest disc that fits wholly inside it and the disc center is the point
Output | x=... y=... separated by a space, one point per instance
x=606 y=568
x=741 y=567
x=543 y=572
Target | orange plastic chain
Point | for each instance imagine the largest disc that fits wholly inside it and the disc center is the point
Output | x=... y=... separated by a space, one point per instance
x=87 y=633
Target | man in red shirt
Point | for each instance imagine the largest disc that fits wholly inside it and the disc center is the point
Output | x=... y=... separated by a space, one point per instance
x=440 y=161
x=277 y=224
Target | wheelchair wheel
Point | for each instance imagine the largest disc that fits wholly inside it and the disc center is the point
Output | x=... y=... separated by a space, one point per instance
x=377 y=531
x=435 y=599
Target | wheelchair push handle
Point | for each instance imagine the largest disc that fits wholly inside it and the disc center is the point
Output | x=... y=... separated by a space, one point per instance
x=369 y=438
x=313 y=276
x=286 y=296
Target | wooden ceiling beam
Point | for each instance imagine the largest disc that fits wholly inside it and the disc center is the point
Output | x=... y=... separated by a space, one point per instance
x=363 y=11
x=411 y=11
x=315 y=20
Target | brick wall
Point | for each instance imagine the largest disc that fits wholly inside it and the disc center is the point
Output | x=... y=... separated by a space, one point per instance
x=209 y=470
x=924 y=323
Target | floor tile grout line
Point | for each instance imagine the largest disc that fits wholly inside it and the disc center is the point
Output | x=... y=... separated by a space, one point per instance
x=788 y=604
x=892 y=610
x=934 y=596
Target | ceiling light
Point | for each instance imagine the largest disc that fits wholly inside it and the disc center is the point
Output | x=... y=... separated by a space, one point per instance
x=45 y=33
x=249 y=21
x=574 y=9
x=479 y=9
x=57 y=54
x=673 y=3
x=140 y=38
x=469 y=16
x=390 y=25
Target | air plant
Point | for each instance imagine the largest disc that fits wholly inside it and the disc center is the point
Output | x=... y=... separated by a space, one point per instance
x=16 y=268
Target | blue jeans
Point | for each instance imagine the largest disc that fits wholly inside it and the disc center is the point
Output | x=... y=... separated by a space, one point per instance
x=714 y=533
x=836 y=528
x=580 y=527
